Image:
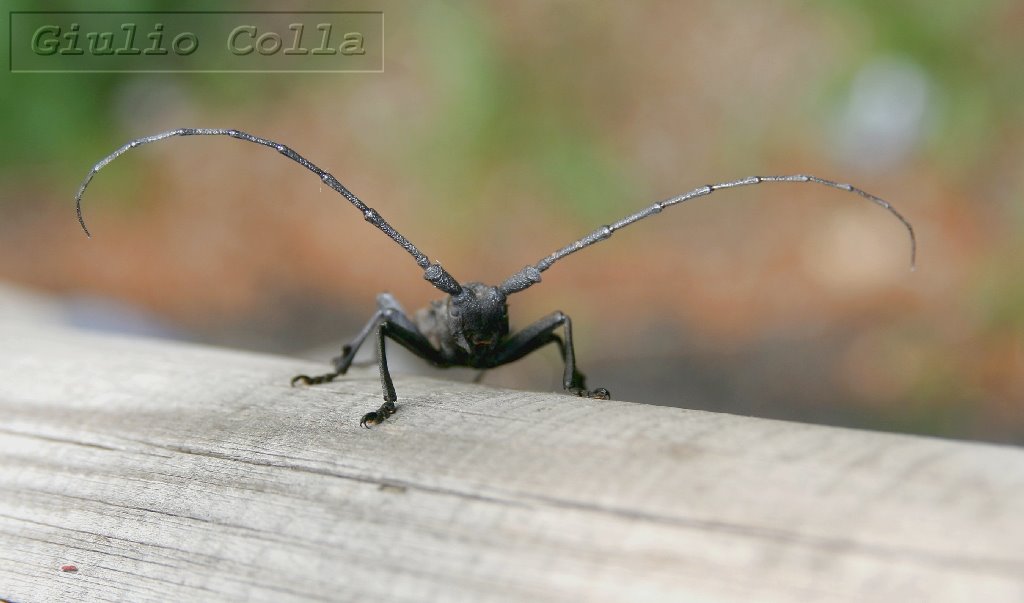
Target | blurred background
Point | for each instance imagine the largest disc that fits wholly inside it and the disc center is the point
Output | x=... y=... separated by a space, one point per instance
x=499 y=132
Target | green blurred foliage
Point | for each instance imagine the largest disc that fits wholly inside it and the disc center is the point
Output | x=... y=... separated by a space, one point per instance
x=502 y=109
x=971 y=53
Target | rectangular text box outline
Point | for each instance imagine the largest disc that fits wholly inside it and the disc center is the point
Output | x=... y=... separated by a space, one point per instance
x=10 y=38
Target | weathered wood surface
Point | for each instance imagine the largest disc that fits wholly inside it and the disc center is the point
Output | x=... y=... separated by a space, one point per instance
x=174 y=472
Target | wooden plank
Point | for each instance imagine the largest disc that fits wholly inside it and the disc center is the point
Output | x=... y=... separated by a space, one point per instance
x=174 y=472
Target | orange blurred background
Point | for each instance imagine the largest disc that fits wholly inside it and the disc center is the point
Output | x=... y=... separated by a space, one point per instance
x=500 y=132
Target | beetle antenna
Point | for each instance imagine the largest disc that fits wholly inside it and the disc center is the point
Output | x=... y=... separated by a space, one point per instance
x=434 y=273
x=530 y=275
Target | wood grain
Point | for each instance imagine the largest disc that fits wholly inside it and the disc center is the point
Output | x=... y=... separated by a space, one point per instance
x=165 y=471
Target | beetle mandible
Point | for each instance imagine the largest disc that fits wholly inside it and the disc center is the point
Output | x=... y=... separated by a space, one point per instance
x=470 y=326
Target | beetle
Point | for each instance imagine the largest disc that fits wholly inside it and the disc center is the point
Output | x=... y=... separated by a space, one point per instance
x=469 y=327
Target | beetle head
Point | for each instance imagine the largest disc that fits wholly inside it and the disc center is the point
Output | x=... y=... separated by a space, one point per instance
x=478 y=316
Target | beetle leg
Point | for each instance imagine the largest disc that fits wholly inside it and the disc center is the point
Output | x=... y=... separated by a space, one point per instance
x=348 y=353
x=387 y=307
x=540 y=334
x=397 y=326
x=389 y=321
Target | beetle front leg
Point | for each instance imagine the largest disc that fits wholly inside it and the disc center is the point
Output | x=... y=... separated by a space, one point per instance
x=540 y=334
x=389 y=321
x=396 y=326
x=390 y=397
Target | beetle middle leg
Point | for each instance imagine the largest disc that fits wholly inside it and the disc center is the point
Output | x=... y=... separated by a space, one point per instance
x=385 y=303
x=540 y=334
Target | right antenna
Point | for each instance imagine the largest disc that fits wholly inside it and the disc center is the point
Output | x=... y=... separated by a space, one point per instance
x=530 y=275
x=433 y=272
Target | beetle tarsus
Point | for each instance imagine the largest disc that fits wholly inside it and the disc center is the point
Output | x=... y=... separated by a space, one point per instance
x=376 y=417
x=597 y=394
x=307 y=380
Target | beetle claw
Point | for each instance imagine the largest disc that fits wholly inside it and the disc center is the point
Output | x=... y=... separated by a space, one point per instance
x=377 y=417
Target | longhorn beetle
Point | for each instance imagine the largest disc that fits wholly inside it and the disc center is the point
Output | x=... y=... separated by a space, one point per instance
x=469 y=327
